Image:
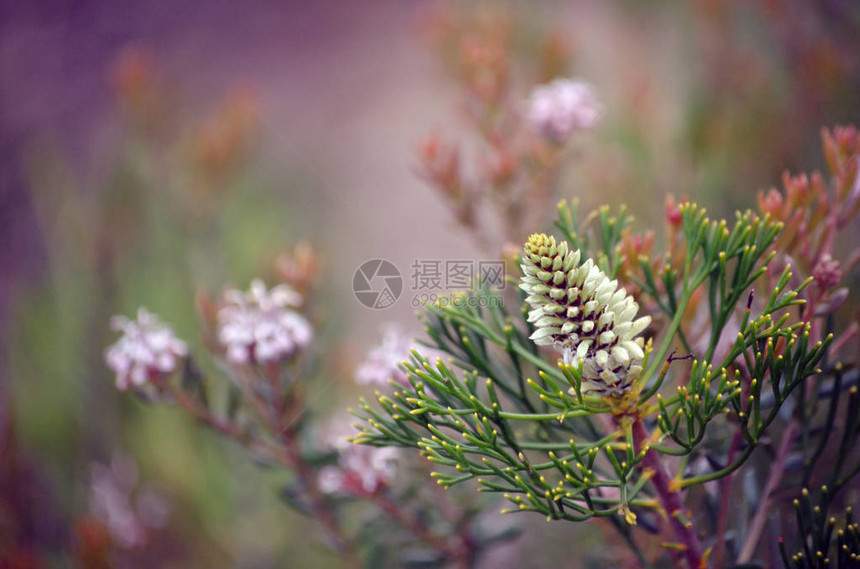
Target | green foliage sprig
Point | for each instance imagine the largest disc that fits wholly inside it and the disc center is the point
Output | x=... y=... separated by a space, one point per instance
x=501 y=412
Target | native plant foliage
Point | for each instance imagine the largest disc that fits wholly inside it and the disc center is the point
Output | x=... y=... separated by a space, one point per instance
x=669 y=372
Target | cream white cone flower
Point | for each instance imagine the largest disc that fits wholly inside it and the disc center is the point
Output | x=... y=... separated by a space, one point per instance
x=578 y=310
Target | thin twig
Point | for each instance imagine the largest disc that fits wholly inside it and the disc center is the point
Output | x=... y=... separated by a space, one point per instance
x=777 y=469
x=725 y=501
x=459 y=551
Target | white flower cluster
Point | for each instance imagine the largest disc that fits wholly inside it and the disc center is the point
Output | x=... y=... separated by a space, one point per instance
x=361 y=469
x=562 y=107
x=146 y=350
x=382 y=363
x=260 y=326
x=583 y=314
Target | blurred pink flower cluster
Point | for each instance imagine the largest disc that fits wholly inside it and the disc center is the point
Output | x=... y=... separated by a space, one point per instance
x=561 y=108
x=382 y=363
x=360 y=469
x=147 y=349
x=128 y=513
x=505 y=168
x=260 y=326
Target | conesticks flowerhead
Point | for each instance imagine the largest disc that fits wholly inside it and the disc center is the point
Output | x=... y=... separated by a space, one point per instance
x=583 y=314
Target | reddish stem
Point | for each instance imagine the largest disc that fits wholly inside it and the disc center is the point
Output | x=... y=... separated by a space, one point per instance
x=725 y=501
x=321 y=512
x=459 y=552
x=669 y=498
x=843 y=338
x=226 y=428
x=285 y=407
x=289 y=456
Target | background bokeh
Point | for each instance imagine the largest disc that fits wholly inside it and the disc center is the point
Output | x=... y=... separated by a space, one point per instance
x=154 y=149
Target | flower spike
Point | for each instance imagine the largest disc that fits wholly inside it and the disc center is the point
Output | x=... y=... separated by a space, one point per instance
x=583 y=314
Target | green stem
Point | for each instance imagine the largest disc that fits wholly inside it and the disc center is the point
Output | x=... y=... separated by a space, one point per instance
x=657 y=360
x=521 y=351
x=542 y=416
x=692 y=481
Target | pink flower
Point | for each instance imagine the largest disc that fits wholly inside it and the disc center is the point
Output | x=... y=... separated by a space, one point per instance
x=259 y=326
x=127 y=512
x=559 y=109
x=382 y=363
x=383 y=360
x=827 y=272
x=147 y=350
x=360 y=469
